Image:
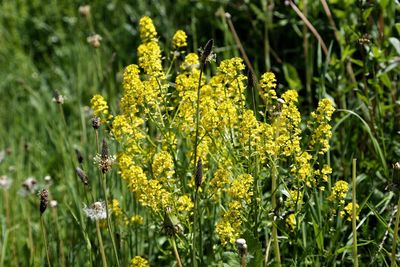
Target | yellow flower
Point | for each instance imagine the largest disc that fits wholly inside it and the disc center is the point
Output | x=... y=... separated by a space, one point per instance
x=163 y=166
x=100 y=107
x=241 y=188
x=291 y=221
x=147 y=30
x=134 y=220
x=184 y=203
x=268 y=85
x=321 y=132
x=179 y=39
x=339 y=191
x=138 y=261
x=348 y=211
x=114 y=206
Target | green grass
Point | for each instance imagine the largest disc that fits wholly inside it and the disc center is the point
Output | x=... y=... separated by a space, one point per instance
x=44 y=49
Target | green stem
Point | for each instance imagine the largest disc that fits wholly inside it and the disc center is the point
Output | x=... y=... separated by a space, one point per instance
x=178 y=259
x=354 y=215
x=395 y=236
x=109 y=219
x=45 y=240
x=103 y=255
x=195 y=160
x=274 y=229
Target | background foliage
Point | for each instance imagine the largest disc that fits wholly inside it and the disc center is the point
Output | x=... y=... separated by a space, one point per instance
x=44 y=49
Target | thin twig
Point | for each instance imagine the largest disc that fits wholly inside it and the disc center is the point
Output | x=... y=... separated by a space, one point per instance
x=310 y=26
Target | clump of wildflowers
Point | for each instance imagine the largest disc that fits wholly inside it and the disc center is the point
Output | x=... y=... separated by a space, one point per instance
x=100 y=108
x=138 y=261
x=348 y=211
x=179 y=40
x=339 y=191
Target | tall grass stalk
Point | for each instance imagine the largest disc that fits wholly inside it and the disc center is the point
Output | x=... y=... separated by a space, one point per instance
x=354 y=214
x=176 y=253
x=101 y=246
x=395 y=237
x=103 y=178
x=45 y=240
x=274 y=228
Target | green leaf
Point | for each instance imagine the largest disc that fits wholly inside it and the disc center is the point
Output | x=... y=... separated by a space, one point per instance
x=396 y=44
x=291 y=76
x=385 y=80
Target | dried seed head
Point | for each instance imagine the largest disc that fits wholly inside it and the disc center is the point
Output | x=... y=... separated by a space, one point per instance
x=84 y=10
x=241 y=246
x=47 y=179
x=97 y=211
x=94 y=40
x=29 y=184
x=44 y=200
x=168 y=226
x=53 y=203
x=104 y=160
x=82 y=175
x=57 y=98
x=96 y=123
x=79 y=156
x=5 y=182
x=207 y=55
x=199 y=174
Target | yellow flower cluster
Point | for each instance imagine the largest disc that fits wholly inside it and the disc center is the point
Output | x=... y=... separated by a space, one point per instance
x=147 y=30
x=291 y=221
x=184 y=204
x=339 y=191
x=322 y=129
x=163 y=166
x=348 y=211
x=218 y=182
x=138 y=261
x=100 y=108
x=134 y=220
x=179 y=39
x=268 y=85
x=115 y=208
x=228 y=229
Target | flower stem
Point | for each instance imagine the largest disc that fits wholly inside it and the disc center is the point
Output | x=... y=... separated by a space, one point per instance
x=354 y=214
x=103 y=255
x=195 y=160
x=109 y=219
x=274 y=229
x=395 y=236
x=178 y=259
x=45 y=240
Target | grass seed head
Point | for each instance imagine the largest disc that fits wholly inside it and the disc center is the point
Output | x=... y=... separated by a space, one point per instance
x=44 y=200
x=207 y=55
x=96 y=123
x=82 y=175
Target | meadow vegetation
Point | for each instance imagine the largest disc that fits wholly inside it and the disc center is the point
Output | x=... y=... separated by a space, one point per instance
x=205 y=133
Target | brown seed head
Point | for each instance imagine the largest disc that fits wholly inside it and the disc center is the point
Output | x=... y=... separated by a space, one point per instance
x=104 y=150
x=84 y=10
x=44 y=200
x=81 y=174
x=79 y=156
x=96 y=123
x=205 y=56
